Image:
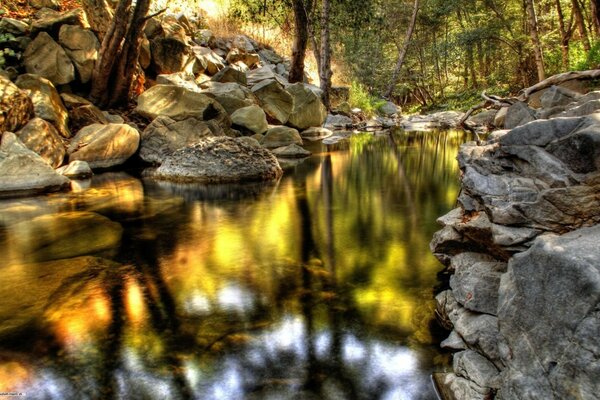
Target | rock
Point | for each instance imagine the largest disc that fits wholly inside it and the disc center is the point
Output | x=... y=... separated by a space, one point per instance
x=315 y=133
x=23 y=172
x=81 y=45
x=181 y=79
x=334 y=122
x=587 y=108
x=16 y=107
x=169 y=55
x=558 y=96
x=249 y=59
x=258 y=75
x=388 y=109
x=51 y=4
x=291 y=151
x=220 y=159
x=476 y=286
x=47 y=103
x=13 y=26
x=480 y=333
x=251 y=118
x=280 y=136
x=270 y=56
x=76 y=170
x=549 y=307
x=50 y=21
x=453 y=342
x=179 y=104
x=230 y=74
x=308 y=110
x=71 y=101
x=104 y=146
x=471 y=365
x=231 y=96
x=145 y=57
x=205 y=37
x=461 y=388
x=500 y=117
x=46 y=58
x=275 y=101
x=42 y=138
x=518 y=114
x=244 y=43
x=85 y=115
x=485 y=118
x=164 y=136
x=210 y=60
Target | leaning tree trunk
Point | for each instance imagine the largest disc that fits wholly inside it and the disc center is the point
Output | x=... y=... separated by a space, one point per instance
x=535 y=39
x=403 y=50
x=565 y=36
x=117 y=59
x=580 y=22
x=300 y=41
x=325 y=72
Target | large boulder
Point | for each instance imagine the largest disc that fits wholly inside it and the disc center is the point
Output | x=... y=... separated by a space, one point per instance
x=211 y=61
x=16 y=108
x=50 y=21
x=104 y=146
x=42 y=137
x=46 y=58
x=549 y=304
x=23 y=172
x=232 y=96
x=308 y=109
x=230 y=74
x=85 y=115
x=169 y=54
x=251 y=118
x=47 y=103
x=81 y=45
x=275 y=100
x=258 y=75
x=220 y=159
x=164 y=136
x=281 y=136
x=249 y=59
x=179 y=103
x=558 y=96
x=518 y=114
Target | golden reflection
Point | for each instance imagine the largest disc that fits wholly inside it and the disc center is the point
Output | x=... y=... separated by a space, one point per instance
x=136 y=311
x=13 y=375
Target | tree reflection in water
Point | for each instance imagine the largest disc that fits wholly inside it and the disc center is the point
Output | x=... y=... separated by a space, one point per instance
x=317 y=287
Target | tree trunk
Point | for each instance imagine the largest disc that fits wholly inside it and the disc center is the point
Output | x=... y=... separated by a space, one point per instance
x=565 y=36
x=118 y=56
x=580 y=22
x=99 y=14
x=325 y=72
x=535 y=39
x=403 y=50
x=300 y=41
x=596 y=16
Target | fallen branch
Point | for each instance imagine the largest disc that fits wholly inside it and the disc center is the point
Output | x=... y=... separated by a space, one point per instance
x=557 y=80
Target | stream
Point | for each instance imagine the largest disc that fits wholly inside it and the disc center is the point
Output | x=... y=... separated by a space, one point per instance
x=319 y=286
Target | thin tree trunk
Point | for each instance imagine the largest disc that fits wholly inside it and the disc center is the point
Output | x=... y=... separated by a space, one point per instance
x=403 y=50
x=300 y=42
x=565 y=36
x=535 y=39
x=325 y=72
x=596 y=16
x=580 y=22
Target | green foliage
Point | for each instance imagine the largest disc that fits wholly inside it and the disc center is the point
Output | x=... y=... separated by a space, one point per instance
x=360 y=98
x=7 y=41
x=591 y=60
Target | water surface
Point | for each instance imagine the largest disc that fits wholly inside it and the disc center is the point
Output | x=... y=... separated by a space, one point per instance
x=319 y=286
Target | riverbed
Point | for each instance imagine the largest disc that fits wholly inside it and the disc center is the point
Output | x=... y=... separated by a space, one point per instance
x=318 y=286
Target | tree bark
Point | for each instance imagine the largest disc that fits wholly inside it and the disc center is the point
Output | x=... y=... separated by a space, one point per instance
x=596 y=16
x=580 y=22
x=403 y=50
x=535 y=39
x=300 y=41
x=118 y=56
x=565 y=36
x=325 y=72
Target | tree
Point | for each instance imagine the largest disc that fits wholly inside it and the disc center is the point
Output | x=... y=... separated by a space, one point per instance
x=301 y=8
x=535 y=39
x=402 y=51
x=118 y=57
x=325 y=72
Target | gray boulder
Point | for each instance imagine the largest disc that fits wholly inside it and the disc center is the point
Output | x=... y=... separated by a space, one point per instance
x=549 y=307
x=275 y=100
x=334 y=122
x=258 y=75
x=475 y=286
x=104 y=146
x=164 y=136
x=179 y=103
x=518 y=114
x=315 y=132
x=23 y=172
x=558 y=96
x=388 y=109
x=43 y=138
x=169 y=54
x=81 y=45
x=291 y=151
x=280 y=136
x=16 y=108
x=220 y=159
x=47 y=103
x=230 y=74
x=46 y=58
x=251 y=118
x=182 y=79
x=232 y=96
x=308 y=109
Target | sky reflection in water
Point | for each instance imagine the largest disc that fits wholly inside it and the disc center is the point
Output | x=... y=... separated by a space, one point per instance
x=319 y=286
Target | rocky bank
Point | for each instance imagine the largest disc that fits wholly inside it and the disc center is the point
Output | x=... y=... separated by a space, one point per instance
x=523 y=303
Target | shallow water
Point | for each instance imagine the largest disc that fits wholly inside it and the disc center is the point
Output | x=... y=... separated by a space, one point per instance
x=319 y=286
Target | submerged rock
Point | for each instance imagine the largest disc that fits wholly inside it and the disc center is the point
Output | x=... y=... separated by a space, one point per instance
x=220 y=159
x=291 y=151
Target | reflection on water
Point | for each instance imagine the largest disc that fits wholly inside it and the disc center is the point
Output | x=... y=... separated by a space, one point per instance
x=316 y=287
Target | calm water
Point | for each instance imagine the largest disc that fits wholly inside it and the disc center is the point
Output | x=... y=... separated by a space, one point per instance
x=317 y=287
